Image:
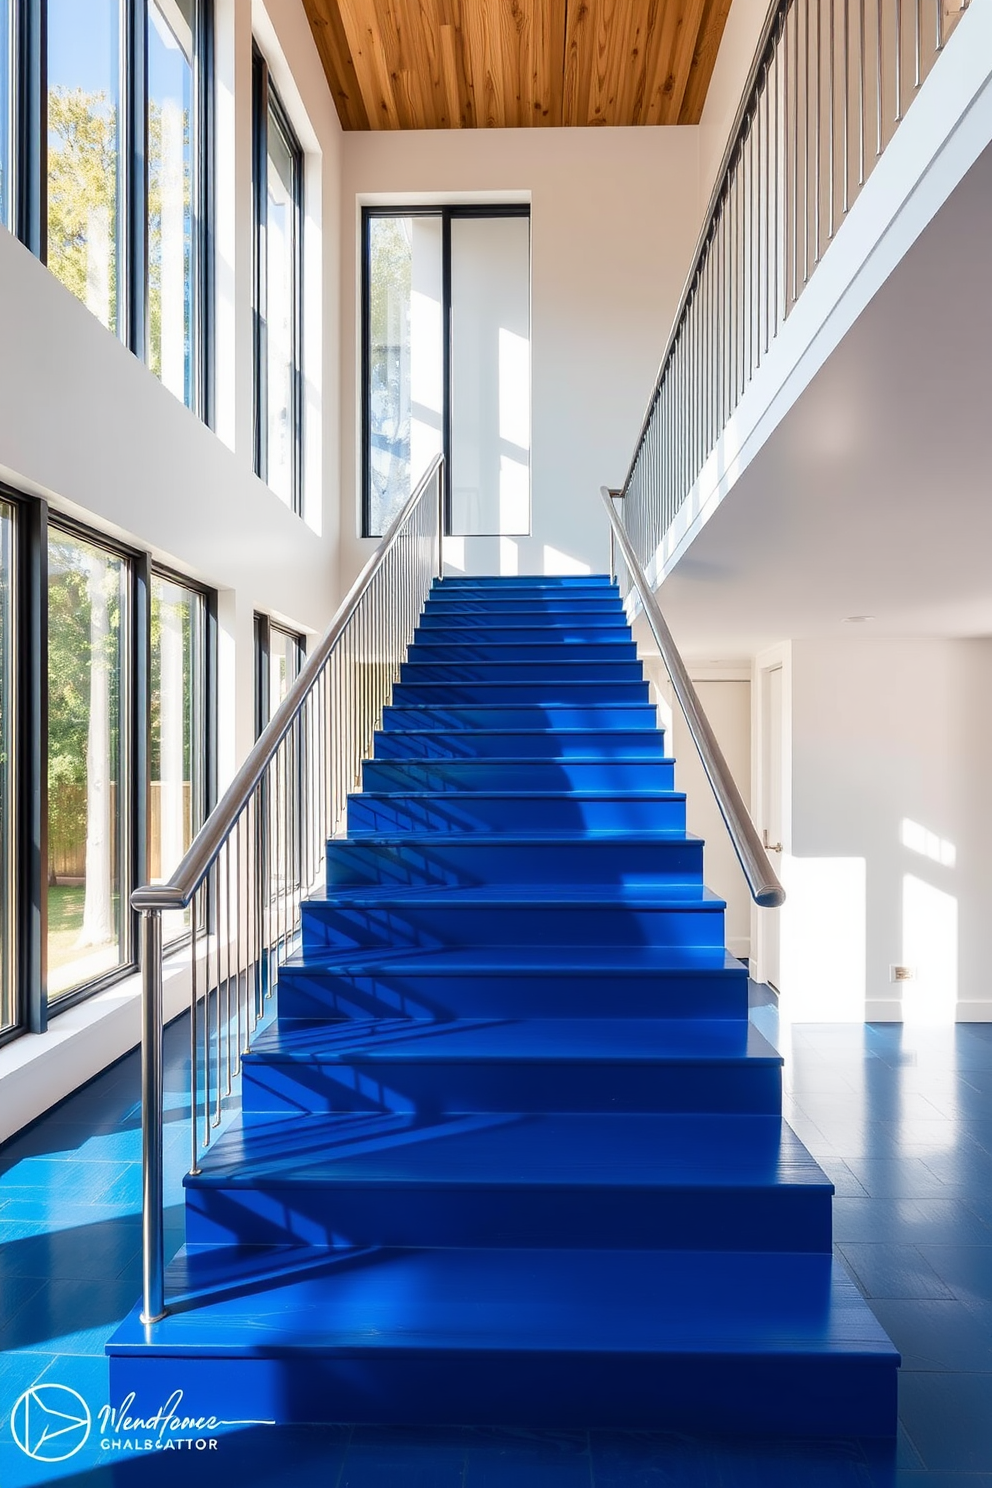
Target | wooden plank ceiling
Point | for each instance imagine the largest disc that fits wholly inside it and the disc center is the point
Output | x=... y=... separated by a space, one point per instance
x=472 y=64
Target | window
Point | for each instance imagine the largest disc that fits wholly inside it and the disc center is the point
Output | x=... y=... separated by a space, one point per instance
x=278 y=194
x=126 y=151
x=446 y=363
x=6 y=104
x=171 y=285
x=8 y=794
x=279 y=655
x=178 y=752
x=84 y=151
x=88 y=870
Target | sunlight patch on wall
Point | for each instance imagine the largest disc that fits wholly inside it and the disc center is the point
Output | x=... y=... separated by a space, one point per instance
x=930 y=947
x=919 y=840
x=823 y=940
x=557 y=562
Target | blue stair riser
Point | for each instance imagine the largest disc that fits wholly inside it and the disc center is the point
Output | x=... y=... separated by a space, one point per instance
x=768 y=1393
x=561 y=744
x=520 y=644
x=485 y=1214
x=420 y=669
x=518 y=775
x=474 y=811
x=387 y=992
x=452 y=1087
x=494 y=860
x=603 y=621
x=535 y=694
x=536 y=608
x=641 y=717
x=338 y=926
x=500 y=583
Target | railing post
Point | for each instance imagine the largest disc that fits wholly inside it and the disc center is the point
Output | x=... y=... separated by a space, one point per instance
x=440 y=522
x=152 y=1101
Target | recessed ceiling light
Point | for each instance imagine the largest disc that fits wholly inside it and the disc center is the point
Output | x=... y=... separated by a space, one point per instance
x=857 y=619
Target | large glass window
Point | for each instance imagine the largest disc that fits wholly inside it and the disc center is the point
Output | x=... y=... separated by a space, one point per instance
x=84 y=150
x=87 y=801
x=178 y=745
x=446 y=364
x=278 y=187
x=405 y=358
x=8 y=877
x=171 y=289
x=6 y=103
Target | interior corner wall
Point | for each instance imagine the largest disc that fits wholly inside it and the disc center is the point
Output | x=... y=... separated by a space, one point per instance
x=87 y=426
x=614 y=215
x=890 y=798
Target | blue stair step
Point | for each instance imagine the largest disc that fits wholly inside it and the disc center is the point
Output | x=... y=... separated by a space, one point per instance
x=558 y=744
x=501 y=583
x=469 y=717
x=515 y=812
x=578 y=609
x=506 y=981
x=568 y=914
x=518 y=775
x=629 y=1180
x=511 y=643
x=595 y=617
x=475 y=1065
x=609 y=859
x=421 y=668
x=533 y=694
x=728 y=1341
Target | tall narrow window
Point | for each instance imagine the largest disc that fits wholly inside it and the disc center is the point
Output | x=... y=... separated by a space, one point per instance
x=446 y=363
x=88 y=869
x=6 y=106
x=178 y=745
x=84 y=150
x=405 y=358
x=171 y=286
x=278 y=193
x=8 y=876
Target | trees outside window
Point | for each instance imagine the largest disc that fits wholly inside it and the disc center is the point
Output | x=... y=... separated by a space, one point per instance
x=87 y=805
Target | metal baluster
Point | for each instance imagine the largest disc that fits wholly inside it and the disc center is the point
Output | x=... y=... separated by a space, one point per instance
x=878 y=78
x=918 y=41
x=806 y=133
x=194 y=1047
x=830 y=116
x=213 y=881
x=817 y=149
x=898 y=60
x=795 y=152
x=939 y=47
x=227 y=966
x=152 y=1113
x=846 y=47
x=861 y=92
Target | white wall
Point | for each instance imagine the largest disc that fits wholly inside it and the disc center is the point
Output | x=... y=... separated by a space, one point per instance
x=614 y=218
x=887 y=856
x=87 y=426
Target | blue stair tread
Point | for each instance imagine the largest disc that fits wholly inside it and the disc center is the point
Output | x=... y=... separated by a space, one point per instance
x=449 y=797
x=677 y=896
x=545 y=1150
x=600 y=1040
x=573 y=961
x=254 y=1301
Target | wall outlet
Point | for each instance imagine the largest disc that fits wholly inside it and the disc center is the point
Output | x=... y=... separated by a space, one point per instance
x=902 y=973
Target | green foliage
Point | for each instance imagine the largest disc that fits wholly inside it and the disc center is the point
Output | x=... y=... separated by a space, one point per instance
x=82 y=188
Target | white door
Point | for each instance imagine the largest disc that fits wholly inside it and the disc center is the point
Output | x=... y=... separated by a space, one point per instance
x=770 y=796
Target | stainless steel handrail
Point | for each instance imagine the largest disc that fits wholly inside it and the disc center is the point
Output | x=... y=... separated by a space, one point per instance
x=177 y=892
x=762 y=880
x=249 y=866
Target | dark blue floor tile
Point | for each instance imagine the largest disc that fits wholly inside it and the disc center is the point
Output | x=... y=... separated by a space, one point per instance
x=887 y=1270
x=966 y=1269
x=654 y=1459
x=926 y=1221
x=935 y=1335
x=949 y=1419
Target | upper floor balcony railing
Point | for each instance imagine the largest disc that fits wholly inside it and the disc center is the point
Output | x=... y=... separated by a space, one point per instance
x=829 y=85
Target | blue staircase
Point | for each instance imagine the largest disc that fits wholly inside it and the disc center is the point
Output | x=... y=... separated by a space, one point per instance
x=512 y=1152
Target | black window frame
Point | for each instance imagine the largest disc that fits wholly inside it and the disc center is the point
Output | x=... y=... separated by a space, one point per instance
x=265 y=100
x=34 y=520
x=29 y=186
x=446 y=214
x=264 y=626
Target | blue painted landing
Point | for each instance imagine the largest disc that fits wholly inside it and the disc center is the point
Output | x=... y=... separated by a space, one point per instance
x=511 y=1153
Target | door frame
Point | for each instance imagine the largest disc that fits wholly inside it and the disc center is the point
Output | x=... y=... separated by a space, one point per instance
x=774 y=658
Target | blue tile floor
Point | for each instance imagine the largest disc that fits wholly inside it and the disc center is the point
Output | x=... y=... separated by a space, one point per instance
x=900 y=1118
